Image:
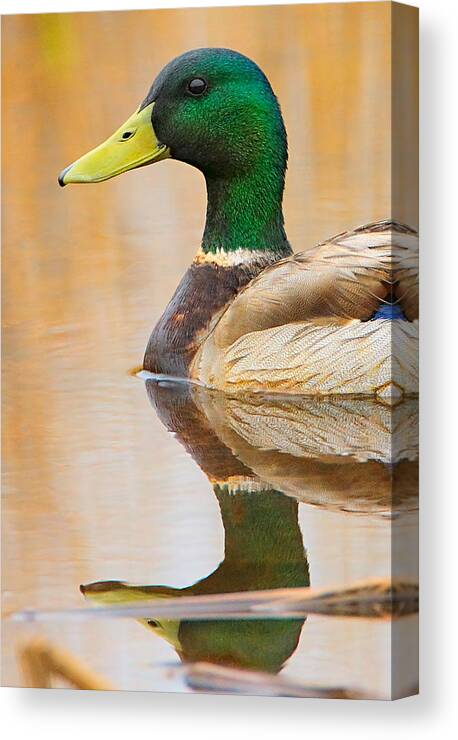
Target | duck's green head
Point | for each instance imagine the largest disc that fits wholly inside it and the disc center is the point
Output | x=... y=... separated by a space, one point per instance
x=213 y=109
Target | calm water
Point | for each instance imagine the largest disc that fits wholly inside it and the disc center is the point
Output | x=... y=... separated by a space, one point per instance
x=99 y=477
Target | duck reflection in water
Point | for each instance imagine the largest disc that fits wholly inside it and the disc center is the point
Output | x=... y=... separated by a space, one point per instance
x=341 y=453
x=263 y=549
x=263 y=456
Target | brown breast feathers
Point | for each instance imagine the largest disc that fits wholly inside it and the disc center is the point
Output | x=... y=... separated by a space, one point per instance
x=203 y=291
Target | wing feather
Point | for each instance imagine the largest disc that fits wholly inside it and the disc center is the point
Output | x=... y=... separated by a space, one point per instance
x=301 y=325
x=345 y=277
x=327 y=357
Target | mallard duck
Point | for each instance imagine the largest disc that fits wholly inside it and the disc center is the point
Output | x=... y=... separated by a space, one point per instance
x=248 y=314
x=263 y=550
x=343 y=454
x=336 y=454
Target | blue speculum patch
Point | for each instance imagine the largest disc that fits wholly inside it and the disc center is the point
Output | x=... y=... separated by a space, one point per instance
x=388 y=311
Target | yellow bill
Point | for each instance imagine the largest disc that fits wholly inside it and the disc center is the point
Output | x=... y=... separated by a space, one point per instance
x=133 y=145
x=115 y=593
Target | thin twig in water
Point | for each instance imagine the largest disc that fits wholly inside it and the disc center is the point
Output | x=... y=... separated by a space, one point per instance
x=382 y=599
x=41 y=662
x=220 y=679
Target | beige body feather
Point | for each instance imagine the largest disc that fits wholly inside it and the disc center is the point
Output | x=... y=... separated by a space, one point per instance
x=302 y=325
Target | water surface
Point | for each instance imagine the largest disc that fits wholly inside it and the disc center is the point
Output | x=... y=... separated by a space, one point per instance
x=97 y=483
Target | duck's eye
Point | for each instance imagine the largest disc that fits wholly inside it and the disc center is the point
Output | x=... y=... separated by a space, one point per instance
x=127 y=135
x=197 y=86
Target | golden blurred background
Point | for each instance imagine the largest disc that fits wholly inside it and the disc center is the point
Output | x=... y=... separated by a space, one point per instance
x=94 y=486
